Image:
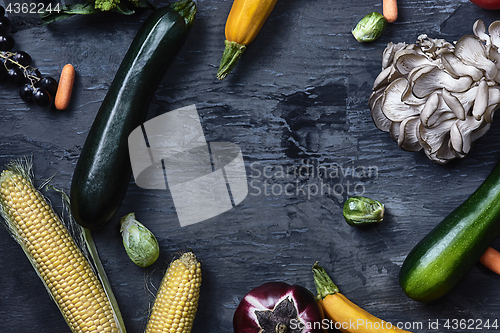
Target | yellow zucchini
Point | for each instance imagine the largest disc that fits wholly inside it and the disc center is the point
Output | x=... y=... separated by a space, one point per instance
x=244 y=22
x=346 y=316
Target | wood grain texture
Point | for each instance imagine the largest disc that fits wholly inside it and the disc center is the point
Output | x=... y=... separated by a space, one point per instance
x=299 y=95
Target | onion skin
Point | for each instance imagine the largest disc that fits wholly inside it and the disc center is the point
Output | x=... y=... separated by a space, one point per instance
x=267 y=296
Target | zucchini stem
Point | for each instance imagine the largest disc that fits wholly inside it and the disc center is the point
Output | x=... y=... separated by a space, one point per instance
x=186 y=9
x=231 y=55
x=323 y=282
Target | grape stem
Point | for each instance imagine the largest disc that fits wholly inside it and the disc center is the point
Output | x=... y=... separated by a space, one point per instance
x=8 y=56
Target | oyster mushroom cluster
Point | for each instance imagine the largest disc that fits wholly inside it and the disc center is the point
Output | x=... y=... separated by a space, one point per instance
x=439 y=96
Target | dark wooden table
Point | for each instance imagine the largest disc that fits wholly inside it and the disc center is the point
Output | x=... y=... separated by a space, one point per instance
x=298 y=96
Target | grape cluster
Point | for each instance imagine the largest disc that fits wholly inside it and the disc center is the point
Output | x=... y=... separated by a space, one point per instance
x=16 y=68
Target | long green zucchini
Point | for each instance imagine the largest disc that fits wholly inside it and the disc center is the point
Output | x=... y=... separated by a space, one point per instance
x=436 y=264
x=103 y=170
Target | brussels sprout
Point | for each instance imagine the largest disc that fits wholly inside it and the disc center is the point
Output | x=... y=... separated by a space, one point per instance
x=140 y=243
x=370 y=27
x=361 y=211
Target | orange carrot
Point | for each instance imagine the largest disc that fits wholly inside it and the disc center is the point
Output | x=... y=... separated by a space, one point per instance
x=65 y=87
x=491 y=260
x=390 y=10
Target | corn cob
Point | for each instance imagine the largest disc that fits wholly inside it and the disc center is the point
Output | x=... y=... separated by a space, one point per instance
x=63 y=268
x=177 y=299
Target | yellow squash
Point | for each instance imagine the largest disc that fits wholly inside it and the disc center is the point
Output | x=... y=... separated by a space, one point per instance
x=346 y=316
x=244 y=22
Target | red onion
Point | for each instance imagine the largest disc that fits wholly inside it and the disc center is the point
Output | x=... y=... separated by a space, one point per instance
x=278 y=307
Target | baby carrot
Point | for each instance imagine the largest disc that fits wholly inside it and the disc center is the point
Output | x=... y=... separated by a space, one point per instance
x=491 y=260
x=390 y=10
x=65 y=87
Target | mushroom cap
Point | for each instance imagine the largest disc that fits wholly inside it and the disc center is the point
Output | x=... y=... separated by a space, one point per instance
x=457 y=68
x=472 y=51
x=435 y=141
x=408 y=138
x=479 y=30
x=494 y=31
x=408 y=59
x=380 y=120
x=392 y=106
x=432 y=78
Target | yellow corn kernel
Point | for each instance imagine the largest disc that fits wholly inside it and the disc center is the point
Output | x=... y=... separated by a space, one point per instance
x=59 y=262
x=177 y=299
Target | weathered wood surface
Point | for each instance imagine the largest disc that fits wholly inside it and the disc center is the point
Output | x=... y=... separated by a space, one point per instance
x=299 y=95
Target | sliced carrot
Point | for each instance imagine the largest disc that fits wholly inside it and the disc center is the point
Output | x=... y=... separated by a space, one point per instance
x=390 y=10
x=65 y=87
x=491 y=260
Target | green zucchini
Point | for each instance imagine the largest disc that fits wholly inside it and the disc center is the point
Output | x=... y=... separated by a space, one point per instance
x=438 y=262
x=103 y=170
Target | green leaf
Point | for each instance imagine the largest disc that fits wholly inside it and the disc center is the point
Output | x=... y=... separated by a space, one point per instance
x=123 y=9
x=67 y=11
x=83 y=9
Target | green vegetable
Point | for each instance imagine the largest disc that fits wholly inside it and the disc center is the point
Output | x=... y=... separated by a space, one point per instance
x=103 y=171
x=106 y=5
x=126 y=7
x=361 y=211
x=140 y=243
x=443 y=257
x=370 y=27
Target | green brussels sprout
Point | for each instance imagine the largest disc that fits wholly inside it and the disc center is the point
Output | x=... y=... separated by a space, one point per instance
x=362 y=211
x=140 y=243
x=370 y=27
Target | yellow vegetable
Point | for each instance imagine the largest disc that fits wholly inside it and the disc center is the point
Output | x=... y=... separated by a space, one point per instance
x=177 y=299
x=244 y=22
x=347 y=316
x=57 y=259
